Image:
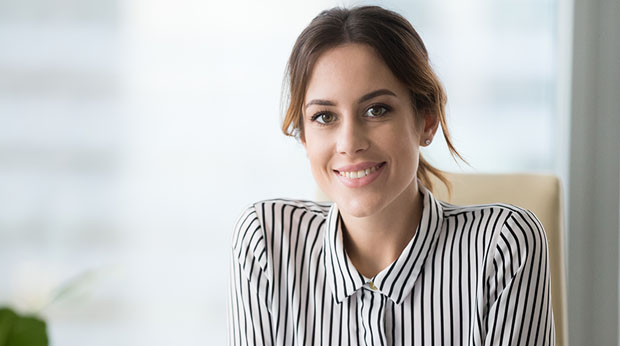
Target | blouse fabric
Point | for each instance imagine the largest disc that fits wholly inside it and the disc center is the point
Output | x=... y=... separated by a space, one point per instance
x=471 y=275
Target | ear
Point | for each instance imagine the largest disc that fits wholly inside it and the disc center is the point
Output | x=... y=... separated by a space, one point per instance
x=300 y=131
x=302 y=139
x=431 y=123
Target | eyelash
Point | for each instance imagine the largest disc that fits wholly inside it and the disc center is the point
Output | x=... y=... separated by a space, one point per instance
x=380 y=105
x=376 y=105
x=317 y=115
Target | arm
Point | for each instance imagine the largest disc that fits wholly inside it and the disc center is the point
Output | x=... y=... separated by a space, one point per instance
x=519 y=301
x=248 y=308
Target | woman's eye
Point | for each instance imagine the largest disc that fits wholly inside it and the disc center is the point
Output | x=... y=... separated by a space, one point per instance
x=376 y=111
x=323 y=118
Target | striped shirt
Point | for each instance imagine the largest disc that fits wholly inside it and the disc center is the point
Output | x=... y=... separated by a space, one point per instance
x=471 y=275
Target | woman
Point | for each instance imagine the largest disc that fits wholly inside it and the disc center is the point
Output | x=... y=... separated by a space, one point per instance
x=386 y=263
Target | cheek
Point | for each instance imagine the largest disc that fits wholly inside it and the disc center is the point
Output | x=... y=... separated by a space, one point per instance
x=317 y=152
x=408 y=158
x=405 y=148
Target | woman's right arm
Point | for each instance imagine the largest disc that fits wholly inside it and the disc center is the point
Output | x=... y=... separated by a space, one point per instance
x=249 y=299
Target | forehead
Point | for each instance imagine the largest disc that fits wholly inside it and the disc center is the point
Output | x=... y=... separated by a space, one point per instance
x=348 y=71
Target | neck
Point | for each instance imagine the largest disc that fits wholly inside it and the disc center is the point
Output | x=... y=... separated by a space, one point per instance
x=374 y=242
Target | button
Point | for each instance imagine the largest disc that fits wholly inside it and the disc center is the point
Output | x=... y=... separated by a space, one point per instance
x=372 y=285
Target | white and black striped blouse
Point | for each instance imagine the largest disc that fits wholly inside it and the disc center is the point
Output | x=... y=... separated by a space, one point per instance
x=474 y=275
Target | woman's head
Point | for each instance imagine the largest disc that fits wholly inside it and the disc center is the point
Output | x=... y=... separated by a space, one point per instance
x=394 y=43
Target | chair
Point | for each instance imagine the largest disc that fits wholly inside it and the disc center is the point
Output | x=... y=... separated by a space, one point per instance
x=542 y=194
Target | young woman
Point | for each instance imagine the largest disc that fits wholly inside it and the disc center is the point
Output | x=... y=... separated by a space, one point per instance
x=386 y=263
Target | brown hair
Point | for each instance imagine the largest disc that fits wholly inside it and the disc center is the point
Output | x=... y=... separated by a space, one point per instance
x=400 y=47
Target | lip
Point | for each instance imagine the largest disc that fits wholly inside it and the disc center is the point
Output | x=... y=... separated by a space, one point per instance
x=359 y=182
x=357 y=167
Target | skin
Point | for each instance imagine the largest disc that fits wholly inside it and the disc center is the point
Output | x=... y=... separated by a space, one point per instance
x=381 y=217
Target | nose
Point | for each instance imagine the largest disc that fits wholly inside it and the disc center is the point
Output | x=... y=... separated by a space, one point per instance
x=352 y=137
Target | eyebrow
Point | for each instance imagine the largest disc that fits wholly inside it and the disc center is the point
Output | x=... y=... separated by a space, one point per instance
x=364 y=98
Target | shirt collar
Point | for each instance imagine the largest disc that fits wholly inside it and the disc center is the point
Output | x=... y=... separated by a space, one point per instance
x=395 y=281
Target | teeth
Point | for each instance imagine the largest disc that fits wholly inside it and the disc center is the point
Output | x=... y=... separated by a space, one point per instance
x=359 y=174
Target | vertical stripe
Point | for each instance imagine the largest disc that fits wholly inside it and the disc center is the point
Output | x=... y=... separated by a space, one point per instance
x=475 y=275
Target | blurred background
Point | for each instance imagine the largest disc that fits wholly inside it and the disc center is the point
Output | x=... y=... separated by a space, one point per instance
x=133 y=133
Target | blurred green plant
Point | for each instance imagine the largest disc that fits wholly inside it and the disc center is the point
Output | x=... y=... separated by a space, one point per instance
x=16 y=330
x=30 y=330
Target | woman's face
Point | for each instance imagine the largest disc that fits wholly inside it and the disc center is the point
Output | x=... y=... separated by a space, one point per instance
x=360 y=131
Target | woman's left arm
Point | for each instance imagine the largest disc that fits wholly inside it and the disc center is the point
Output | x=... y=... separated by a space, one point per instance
x=518 y=285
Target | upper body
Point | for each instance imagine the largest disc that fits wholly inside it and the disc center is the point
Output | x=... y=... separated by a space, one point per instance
x=471 y=275
x=385 y=264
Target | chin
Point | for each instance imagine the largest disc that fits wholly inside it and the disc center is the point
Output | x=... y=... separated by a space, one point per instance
x=358 y=207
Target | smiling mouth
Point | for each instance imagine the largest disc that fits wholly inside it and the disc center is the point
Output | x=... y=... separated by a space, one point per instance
x=360 y=173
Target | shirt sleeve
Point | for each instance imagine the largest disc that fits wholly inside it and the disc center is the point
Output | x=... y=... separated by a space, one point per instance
x=519 y=300
x=249 y=299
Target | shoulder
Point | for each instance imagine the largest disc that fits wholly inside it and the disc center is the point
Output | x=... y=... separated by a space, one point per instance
x=260 y=219
x=281 y=220
x=496 y=211
x=483 y=216
x=276 y=213
x=269 y=207
x=523 y=230
x=501 y=222
x=283 y=205
x=450 y=210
